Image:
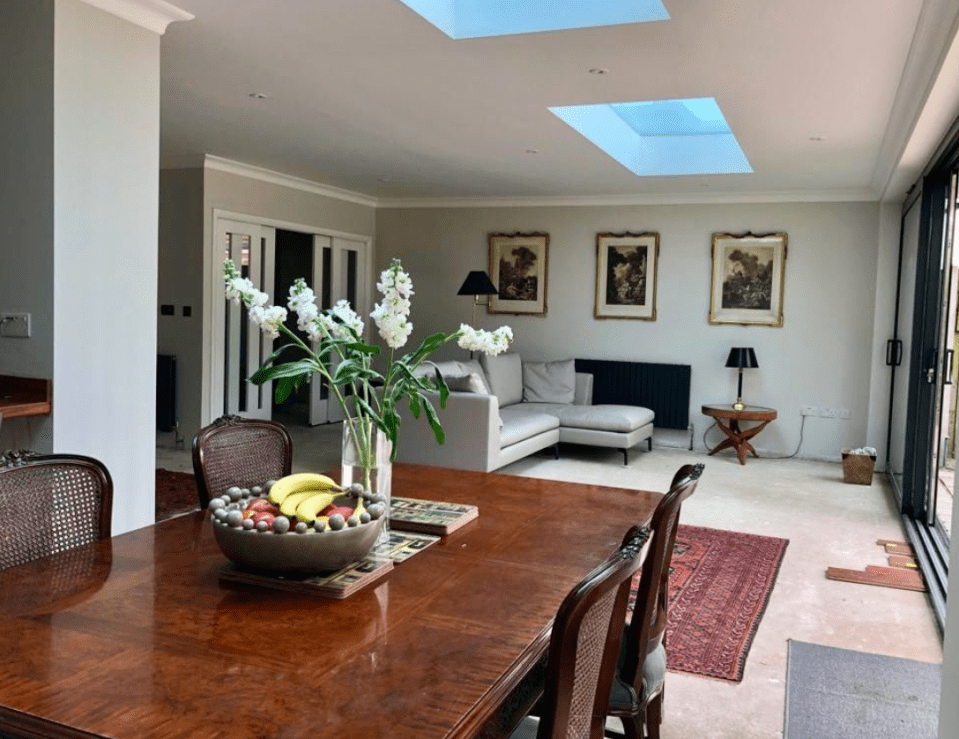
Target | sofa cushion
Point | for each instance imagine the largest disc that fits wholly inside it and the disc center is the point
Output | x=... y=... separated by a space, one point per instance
x=549 y=382
x=620 y=418
x=520 y=422
x=471 y=383
x=453 y=368
x=504 y=374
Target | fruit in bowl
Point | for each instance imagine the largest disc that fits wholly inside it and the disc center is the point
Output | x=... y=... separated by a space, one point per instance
x=301 y=524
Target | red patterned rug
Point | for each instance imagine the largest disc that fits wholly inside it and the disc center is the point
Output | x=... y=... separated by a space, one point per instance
x=719 y=585
x=175 y=494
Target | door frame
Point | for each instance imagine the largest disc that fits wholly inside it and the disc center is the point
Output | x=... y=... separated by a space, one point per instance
x=215 y=289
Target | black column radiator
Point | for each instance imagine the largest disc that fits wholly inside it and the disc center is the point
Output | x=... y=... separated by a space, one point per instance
x=663 y=388
x=166 y=392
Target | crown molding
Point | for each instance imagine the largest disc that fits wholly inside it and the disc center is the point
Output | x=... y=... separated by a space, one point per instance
x=935 y=31
x=284 y=180
x=780 y=196
x=153 y=15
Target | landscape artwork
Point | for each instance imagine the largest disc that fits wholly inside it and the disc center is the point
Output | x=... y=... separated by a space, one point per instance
x=626 y=275
x=748 y=279
x=518 y=264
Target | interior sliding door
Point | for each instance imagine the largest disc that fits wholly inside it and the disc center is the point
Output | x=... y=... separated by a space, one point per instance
x=242 y=347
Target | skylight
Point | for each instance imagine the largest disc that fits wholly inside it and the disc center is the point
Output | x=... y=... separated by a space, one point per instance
x=460 y=19
x=661 y=137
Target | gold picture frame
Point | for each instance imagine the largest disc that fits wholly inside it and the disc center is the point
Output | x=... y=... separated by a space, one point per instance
x=518 y=264
x=749 y=279
x=627 y=265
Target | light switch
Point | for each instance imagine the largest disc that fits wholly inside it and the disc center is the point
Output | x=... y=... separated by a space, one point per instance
x=15 y=325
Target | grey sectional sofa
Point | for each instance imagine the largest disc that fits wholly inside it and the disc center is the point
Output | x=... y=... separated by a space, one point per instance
x=504 y=409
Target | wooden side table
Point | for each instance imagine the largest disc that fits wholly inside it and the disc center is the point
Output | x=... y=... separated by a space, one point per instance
x=737 y=437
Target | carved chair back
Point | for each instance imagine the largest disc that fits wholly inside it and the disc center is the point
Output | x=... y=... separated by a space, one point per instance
x=239 y=451
x=584 y=646
x=51 y=504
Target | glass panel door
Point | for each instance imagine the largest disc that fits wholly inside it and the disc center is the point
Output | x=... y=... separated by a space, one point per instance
x=243 y=346
x=899 y=351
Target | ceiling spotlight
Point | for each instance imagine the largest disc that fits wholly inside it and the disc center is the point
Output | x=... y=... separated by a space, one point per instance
x=815 y=138
x=259 y=95
x=532 y=151
x=383 y=179
x=598 y=70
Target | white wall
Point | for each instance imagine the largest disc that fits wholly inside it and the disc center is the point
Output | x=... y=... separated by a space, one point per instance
x=106 y=144
x=181 y=284
x=821 y=356
x=26 y=200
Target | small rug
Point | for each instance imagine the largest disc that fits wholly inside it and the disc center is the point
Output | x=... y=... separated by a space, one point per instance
x=843 y=694
x=719 y=585
x=175 y=494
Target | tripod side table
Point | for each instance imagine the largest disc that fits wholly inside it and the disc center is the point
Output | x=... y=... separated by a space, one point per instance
x=728 y=418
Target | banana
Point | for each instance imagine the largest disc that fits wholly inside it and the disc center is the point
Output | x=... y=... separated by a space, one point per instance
x=300 y=482
x=307 y=509
x=291 y=501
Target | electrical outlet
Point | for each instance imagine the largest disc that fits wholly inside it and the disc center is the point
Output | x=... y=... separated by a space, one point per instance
x=845 y=414
x=829 y=412
x=809 y=410
x=15 y=325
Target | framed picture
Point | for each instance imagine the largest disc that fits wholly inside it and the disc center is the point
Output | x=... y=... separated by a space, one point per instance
x=626 y=266
x=517 y=267
x=749 y=273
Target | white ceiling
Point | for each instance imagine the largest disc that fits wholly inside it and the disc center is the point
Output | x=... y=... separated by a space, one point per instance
x=366 y=95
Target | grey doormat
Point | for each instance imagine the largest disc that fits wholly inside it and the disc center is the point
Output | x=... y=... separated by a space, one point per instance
x=842 y=694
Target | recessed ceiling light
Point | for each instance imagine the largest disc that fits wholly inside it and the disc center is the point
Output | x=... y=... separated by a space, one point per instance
x=532 y=151
x=815 y=138
x=598 y=70
x=259 y=95
x=382 y=179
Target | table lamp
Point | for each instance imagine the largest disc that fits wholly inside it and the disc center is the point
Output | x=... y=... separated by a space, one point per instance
x=477 y=283
x=740 y=357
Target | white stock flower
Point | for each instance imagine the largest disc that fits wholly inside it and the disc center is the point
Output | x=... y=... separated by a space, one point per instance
x=394 y=280
x=272 y=318
x=479 y=340
x=394 y=328
x=347 y=319
x=306 y=316
x=390 y=314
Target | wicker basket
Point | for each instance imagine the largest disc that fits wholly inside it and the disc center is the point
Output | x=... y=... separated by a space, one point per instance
x=857 y=469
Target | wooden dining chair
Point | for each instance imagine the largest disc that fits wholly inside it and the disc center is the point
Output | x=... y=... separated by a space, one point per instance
x=584 y=645
x=638 y=688
x=51 y=504
x=239 y=451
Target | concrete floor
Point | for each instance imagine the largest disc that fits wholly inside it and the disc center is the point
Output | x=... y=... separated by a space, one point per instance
x=827 y=522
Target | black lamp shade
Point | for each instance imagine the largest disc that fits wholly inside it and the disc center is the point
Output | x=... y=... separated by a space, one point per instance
x=743 y=357
x=477 y=282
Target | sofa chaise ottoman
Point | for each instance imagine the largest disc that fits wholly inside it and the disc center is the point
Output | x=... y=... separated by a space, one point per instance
x=505 y=409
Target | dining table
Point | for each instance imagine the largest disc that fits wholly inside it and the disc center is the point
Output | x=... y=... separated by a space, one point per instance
x=138 y=637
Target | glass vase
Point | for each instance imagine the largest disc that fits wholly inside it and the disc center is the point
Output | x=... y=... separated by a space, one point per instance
x=366 y=460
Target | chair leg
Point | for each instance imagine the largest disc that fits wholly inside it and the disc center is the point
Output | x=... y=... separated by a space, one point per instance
x=633 y=727
x=654 y=716
x=625 y=457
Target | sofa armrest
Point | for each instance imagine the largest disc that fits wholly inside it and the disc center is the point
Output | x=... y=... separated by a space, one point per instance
x=471 y=424
x=584 y=389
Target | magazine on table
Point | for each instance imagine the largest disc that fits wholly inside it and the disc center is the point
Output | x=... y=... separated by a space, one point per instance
x=430 y=516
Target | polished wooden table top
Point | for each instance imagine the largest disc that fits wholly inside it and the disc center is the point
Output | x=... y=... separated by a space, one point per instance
x=136 y=637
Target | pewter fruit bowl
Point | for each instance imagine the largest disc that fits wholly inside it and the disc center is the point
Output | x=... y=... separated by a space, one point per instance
x=253 y=534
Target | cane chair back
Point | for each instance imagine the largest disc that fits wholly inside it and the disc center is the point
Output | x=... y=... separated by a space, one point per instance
x=585 y=644
x=647 y=627
x=51 y=504
x=239 y=451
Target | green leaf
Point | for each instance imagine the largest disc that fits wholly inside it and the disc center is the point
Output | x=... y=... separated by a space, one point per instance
x=362 y=348
x=272 y=358
x=290 y=369
x=283 y=389
x=415 y=407
x=434 y=422
x=444 y=390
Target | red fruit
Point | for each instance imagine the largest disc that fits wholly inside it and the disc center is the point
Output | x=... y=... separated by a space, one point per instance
x=344 y=511
x=263 y=516
x=262 y=504
x=328 y=511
